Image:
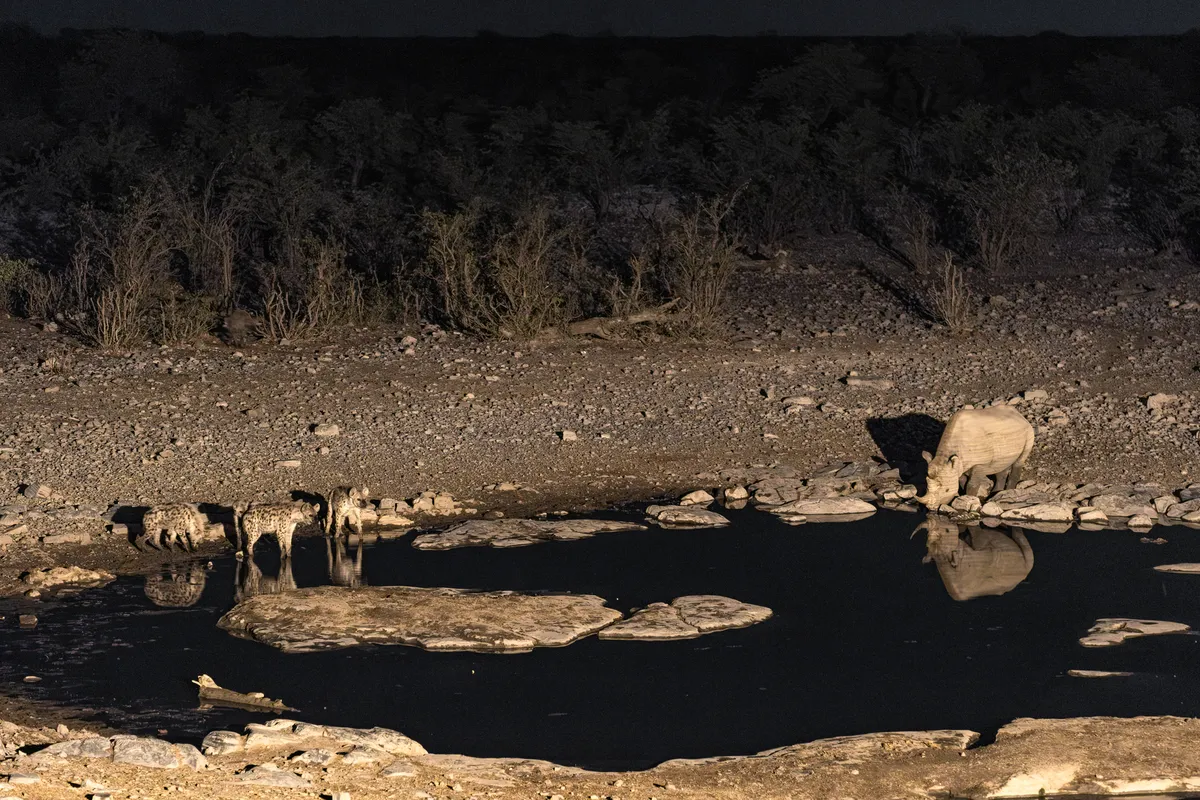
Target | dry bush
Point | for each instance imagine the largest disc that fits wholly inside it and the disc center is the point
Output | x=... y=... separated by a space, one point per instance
x=508 y=284
x=120 y=270
x=916 y=225
x=311 y=292
x=182 y=317
x=950 y=299
x=211 y=240
x=14 y=274
x=41 y=294
x=626 y=297
x=1011 y=205
x=523 y=265
x=698 y=260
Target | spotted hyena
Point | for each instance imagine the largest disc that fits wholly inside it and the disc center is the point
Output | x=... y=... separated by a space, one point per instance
x=342 y=508
x=174 y=523
x=278 y=519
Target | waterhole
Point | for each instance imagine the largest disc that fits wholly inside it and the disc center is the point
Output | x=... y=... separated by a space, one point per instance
x=869 y=633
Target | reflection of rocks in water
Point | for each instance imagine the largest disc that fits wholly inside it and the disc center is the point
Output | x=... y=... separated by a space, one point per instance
x=343 y=571
x=176 y=589
x=330 y=617
x=974 y=561
x=518 y=532
x=251 y=582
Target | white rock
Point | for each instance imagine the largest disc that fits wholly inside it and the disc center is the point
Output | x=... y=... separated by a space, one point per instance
x=1159 y=401
x=326 y=429
x=568 y=436
x=824 y=507
x=991 y=509
x=967 y=502
x=1093 y=515
x=686 y=516
x=1042 y=512
x=696 y=498
x=1141 y=522
x=1179 y=569
x=735 y=494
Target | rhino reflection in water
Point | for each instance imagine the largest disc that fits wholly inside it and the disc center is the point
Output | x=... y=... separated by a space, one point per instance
x=251 y=581
x=343 y=571
x=176 y=590
x=974 y=561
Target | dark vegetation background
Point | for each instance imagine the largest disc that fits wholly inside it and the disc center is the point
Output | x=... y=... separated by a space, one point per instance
x=151 y=184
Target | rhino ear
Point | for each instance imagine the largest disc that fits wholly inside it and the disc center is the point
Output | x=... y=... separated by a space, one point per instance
x=954 y=461
x=925 y=455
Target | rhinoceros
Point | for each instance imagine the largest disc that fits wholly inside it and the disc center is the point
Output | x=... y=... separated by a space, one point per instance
x=984 y=562
x=977 y=442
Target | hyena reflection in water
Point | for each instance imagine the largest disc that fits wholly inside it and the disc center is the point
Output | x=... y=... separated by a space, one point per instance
x=343 y=571
x=252 y=582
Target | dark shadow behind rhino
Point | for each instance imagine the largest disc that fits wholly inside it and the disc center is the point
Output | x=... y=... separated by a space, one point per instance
x=901 y=439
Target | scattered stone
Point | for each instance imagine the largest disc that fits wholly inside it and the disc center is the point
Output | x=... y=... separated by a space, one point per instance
x=1112 y=631
x=328 y=617
x=696 y=498
x=52 y=577
x=686 y=517
x=568 y=436
x=1140 y=522
x=1042 y=512
x=991 y=509
x=27 y=621
x=271 y=775
x=1159 y=401
x=289 y=463
x=856 y=381
x=287 y=733
x=318 y=756
x=393 y=521
x=399 y=768
x=686 y=618
x=736 y=494
x=518 y=532
x=1092 y=515
x=967 y=503
x=326 y=430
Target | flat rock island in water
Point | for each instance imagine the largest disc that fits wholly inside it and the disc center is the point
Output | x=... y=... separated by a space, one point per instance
x=686 y=618
x=328 y=617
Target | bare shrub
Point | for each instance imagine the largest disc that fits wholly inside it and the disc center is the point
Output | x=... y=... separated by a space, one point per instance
x=916 y=225
x=211 y=241
x=503 y=282
x=40 y=294
x=182 y=317
x=522 y=265
x=950 y=299
x=453 y=254
x=1010 y=205
x=310 y=293
x=120 y=269
x=699 y=258
x=14 y=274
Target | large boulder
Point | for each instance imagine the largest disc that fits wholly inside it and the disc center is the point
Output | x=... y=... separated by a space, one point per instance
x=686 y=517
x=330 y=617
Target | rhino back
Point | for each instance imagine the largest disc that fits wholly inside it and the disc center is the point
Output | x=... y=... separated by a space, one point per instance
x=993 y=437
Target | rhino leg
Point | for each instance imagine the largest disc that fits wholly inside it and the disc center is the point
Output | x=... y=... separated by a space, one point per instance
x=1002 y=481
x=977 y=482
x=1014 y=474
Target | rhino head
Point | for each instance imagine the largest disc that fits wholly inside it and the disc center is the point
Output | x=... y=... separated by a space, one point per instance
x=941 y=482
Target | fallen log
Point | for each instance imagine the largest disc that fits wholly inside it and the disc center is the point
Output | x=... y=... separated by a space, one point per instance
x=212 y=694
x=607 y=327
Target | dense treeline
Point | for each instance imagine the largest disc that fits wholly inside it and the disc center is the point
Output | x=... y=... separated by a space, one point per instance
x=150 y=184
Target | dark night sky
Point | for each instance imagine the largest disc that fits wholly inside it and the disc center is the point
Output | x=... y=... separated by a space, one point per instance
x=626 y=17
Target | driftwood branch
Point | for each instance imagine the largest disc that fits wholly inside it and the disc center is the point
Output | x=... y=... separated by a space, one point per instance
x=213 y=694
x=608 y=327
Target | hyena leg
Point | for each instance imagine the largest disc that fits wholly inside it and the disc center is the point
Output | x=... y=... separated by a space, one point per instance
x=977 y=482
x=248 y=541
x=356 y=522
x=285 y=540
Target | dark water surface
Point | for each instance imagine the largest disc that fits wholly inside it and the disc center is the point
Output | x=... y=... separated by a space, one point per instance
x=865 y=638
